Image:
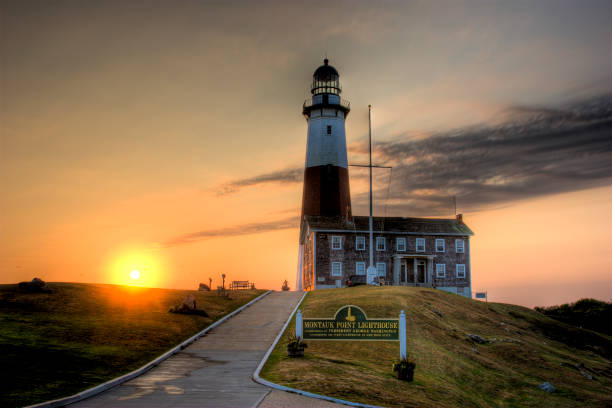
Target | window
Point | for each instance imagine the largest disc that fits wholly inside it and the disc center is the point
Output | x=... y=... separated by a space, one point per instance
x=336 y=269
x=440 y=270
x=321 y=279
x=380 y=244
x=360 y=268
x=401 y=244
x=336 y=242
x=381 y=269
x=460 y=269
x=360 y=243
x=420 y=244
x=439 y=245
x=329 y=129
x=459 y=246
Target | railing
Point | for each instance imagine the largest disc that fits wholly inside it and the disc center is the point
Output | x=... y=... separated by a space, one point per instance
x=342 y=102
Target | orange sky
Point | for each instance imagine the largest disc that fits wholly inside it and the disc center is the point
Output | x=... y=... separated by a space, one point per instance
x=122 y=123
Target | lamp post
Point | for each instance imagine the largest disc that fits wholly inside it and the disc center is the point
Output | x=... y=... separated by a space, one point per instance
x=223 y=276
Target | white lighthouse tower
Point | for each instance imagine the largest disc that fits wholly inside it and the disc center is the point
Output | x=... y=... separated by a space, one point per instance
x=326 y=179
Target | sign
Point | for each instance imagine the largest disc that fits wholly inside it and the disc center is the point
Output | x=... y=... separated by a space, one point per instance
x=481 y=295
x=350 y=323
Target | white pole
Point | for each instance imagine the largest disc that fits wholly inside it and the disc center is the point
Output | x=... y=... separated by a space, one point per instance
x=298 y=324
x=402 y=328
x=371 y=273
x=371 y=222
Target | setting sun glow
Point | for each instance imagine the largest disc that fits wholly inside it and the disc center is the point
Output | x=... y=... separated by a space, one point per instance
x=136 y=268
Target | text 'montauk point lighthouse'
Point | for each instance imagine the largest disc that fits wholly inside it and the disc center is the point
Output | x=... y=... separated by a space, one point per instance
x=333 y=249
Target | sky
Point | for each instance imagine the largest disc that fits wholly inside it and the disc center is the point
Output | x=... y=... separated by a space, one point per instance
x=168 y=137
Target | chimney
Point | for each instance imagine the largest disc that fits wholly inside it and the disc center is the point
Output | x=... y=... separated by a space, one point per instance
x=460 y=218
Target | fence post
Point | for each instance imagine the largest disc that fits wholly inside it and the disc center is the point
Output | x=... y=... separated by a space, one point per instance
x=298 y=324
x=402 y=335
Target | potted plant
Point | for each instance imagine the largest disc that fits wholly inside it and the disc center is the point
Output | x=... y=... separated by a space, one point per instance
x=295 y=347
x=404 y=369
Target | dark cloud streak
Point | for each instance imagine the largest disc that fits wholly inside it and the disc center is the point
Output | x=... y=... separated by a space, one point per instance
x=245 y=229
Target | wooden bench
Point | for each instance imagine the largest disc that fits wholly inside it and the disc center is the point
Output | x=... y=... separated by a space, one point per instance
x=238 y=285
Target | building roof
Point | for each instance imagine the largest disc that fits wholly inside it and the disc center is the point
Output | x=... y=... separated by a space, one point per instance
x=405 y=225
x=325 y=72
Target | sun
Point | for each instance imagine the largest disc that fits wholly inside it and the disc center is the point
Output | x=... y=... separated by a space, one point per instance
x=135 y=274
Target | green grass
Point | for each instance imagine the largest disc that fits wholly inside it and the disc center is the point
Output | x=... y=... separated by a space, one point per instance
x=54 y=345
x=450 y=370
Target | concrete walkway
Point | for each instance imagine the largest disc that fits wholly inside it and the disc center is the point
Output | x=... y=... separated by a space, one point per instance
x=216 y=370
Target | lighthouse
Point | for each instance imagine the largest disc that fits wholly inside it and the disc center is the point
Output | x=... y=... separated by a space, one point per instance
x=326 y=178
x=339 y=249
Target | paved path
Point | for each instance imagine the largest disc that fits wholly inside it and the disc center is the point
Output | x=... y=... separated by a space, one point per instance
x=215 y=370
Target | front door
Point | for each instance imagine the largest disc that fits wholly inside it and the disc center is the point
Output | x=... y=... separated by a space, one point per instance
x=407 y=271
x=420 y=271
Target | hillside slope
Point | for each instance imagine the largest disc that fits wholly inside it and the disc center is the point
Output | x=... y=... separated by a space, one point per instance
x=55 y=344
x=526 y=349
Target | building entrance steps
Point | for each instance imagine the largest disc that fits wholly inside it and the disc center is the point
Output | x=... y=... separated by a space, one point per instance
x=215 y=370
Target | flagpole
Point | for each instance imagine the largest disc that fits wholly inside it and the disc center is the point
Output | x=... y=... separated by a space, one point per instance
x=371 y=222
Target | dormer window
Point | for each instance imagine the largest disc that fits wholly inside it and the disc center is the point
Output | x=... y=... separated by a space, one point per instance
x=420 y=244
x=380 y=244
x=336 y=242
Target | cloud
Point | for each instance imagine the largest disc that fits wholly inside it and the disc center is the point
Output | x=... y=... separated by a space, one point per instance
x=536 y=151
x=287 y=176
x=245 y=229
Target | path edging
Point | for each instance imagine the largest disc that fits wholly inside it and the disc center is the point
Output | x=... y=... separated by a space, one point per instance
x=90 y=392
x=270 y=384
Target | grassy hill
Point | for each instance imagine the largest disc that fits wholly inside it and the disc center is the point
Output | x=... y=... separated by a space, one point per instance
x=54 y=345
x=526 y=349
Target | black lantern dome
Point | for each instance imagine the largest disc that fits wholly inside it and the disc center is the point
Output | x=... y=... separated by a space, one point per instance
x=325 y=80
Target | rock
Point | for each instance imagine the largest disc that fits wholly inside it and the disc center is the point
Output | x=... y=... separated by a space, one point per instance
x=546 y=386
x=502 y=323
x=204 y=287
x=189 y=303
x=477 y=338
x=36 y=285
x=436 y=311
x=188 y=306
x=580 y=367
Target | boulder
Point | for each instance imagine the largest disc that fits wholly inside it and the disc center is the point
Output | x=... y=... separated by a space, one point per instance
x=546 y=386
x=477 y=338
x=36 y=285
x=188 y=306
x=189 y=303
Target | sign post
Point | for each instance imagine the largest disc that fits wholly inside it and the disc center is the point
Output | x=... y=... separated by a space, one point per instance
x=298 y=325
x=402 y=335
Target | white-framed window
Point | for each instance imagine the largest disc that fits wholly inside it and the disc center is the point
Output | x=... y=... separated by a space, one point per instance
x=381 y=269
x=420 y=244
x=360 y=243
x=400 y=244
x=336 y=269
x=439 y=245
x=360 y=268
x=460 y=270
x=380 y=244
x=459 y=246
x=321 y=279
x=336 y=242
x=440 y=270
